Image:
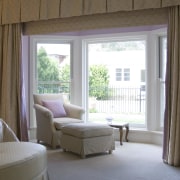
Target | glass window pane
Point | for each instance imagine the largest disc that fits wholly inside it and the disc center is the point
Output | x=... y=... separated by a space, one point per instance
x=118 y=74
x=126 y=74
x=115 y=81
x=53 y=69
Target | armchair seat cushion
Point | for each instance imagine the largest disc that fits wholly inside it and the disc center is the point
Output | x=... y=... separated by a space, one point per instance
x=61 y=122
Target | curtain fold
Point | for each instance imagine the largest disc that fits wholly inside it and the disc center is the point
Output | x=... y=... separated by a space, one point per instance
x=146 y=4
x=11 y=11
x=12 y=100
x=94 y=6
x=166 y=3
x=30 y=10
x=49 y=9
x=171 y=145
x=119 y=5
x=71 y=8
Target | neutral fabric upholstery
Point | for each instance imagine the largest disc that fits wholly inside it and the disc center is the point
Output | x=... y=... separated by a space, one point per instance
x=49 y=128
x=86 y=130
x=60 y=122
x=20 y=160
x=87 y=138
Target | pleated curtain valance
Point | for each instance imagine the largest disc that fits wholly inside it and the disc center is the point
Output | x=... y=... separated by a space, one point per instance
x=15 y=11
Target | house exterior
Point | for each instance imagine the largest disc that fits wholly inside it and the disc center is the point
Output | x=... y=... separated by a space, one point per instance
x=126 y=68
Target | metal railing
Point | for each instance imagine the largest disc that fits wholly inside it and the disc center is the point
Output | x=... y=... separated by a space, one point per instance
x=119 y=100
x=111 y=99
x=53 y=87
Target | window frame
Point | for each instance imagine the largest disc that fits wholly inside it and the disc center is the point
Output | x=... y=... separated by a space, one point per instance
x=102 y=38
x=34 y=40
x=153 y=56
x=118 y=74
x=152 y=119
x=79 y=55
x=162 y=79
x=126 y=74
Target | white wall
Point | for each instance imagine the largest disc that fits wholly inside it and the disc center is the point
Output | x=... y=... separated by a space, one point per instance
x=141 y=136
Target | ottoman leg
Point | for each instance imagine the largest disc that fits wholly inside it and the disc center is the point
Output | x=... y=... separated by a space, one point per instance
x=110 y=151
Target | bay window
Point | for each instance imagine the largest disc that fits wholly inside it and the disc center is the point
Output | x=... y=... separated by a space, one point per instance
x=110 y=75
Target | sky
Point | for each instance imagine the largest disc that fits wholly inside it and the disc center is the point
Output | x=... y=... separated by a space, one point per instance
x=61 y=49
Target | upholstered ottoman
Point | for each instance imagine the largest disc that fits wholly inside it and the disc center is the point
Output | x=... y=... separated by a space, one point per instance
x=87 y=138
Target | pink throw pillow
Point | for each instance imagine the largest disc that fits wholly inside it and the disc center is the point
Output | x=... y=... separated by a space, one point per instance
x=56 y=107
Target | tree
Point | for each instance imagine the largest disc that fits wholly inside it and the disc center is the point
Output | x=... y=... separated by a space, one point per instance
x=98 y=81
x=65 y=78
x=47 y=71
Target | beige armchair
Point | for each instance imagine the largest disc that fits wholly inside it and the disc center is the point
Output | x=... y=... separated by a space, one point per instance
x=48 y=126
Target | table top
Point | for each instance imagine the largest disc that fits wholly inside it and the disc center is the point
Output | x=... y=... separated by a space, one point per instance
x=119 y=124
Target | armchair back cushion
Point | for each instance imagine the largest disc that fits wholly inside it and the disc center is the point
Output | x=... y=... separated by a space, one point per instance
x=39 y=98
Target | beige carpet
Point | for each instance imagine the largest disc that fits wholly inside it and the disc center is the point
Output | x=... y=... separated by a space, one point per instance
x=132 y=161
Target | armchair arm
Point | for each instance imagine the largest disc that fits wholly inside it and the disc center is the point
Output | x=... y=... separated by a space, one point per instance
x=74 y=111
x=43 y=111
x=44 y=118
